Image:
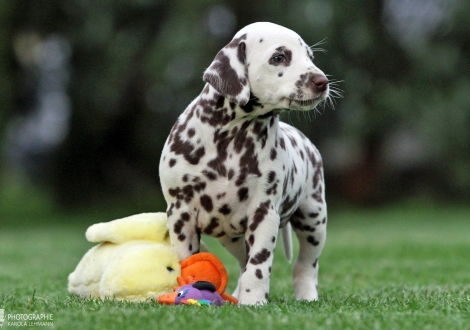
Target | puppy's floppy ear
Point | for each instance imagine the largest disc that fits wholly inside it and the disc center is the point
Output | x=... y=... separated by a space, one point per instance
x=228 y=73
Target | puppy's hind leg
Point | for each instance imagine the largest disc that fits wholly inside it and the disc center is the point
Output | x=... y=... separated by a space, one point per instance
x=236 y=246
x=309 y=224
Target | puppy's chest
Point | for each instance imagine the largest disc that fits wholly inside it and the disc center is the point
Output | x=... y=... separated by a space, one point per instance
x=232 y=171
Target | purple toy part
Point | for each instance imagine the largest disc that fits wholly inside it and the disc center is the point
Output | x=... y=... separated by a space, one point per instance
x=203 y=292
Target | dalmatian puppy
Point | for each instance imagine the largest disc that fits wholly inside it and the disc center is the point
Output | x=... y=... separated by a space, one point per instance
x=230 y=169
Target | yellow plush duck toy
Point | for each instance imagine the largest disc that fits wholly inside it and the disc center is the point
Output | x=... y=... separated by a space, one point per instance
x=133 y=262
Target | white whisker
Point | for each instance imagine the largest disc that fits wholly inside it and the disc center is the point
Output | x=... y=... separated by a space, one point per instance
x=321 y=42
x=335 y=92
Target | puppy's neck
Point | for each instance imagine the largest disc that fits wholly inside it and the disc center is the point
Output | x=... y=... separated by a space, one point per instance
x=212 y=108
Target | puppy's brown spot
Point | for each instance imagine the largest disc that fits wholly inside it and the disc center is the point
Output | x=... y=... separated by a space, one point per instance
x=225 y=209
x=260 y=257
x=206 y=202
x=243 y=194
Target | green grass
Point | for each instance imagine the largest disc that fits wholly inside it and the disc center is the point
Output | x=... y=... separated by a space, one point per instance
x=398 y=268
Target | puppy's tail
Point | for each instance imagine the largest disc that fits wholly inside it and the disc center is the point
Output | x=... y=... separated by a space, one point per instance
x=286 y=236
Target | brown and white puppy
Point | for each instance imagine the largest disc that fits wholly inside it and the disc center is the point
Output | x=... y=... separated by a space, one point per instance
x=230 y=169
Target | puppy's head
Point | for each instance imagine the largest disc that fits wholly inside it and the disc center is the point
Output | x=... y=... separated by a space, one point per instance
x=271 y=63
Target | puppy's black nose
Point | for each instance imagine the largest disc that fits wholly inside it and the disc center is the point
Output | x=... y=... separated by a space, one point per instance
x=320 y=82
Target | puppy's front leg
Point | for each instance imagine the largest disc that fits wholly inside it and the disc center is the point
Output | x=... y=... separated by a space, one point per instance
x=183 y=232
x=260 y=240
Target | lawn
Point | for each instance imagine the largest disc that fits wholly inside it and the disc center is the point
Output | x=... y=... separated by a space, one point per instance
x=394 y=268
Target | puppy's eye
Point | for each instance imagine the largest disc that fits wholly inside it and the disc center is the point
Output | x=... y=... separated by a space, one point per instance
x=279 y=58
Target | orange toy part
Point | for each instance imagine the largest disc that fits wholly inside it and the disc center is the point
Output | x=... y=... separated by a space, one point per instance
x=205 y=266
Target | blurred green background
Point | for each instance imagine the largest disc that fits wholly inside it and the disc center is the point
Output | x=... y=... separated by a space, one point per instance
x=90 y=90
